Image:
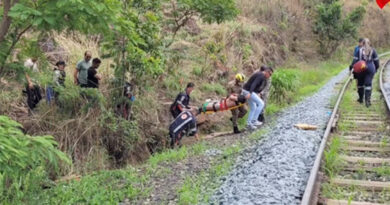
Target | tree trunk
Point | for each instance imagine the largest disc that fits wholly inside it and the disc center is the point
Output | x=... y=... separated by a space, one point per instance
x=6 y=22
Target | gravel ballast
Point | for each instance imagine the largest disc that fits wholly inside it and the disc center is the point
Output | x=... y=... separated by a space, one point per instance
x=275 y=171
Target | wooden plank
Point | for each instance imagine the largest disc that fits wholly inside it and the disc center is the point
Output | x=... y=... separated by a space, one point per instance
x=366 y=160
x=358 y=133
x=364 y=118
x=352 y=138
x=367 y=149
x=357 y=114
x=359 y=168
x=365 y=143
x=368 y=185
x=366 y=122
x=344 y=202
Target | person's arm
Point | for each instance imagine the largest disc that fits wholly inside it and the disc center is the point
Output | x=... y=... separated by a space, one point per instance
x=355 y=59
x=375 y=57
x=75 y=76
x=56 y=76
x=29 y=82
x=180 y=104
x=76 y=73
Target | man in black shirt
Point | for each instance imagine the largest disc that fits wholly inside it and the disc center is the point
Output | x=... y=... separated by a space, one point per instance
x=93 y=77
x=182 y=101
x=251 y=90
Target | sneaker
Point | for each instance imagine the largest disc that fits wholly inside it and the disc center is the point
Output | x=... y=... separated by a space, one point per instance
x=257 y=123
x=251 y=127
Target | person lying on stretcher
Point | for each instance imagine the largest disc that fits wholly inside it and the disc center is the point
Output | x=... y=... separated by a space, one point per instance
x=233 y=101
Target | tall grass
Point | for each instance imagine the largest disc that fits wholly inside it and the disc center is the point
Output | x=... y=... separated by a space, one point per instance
x=290 y=85
x=26 y=162
x=333 y=162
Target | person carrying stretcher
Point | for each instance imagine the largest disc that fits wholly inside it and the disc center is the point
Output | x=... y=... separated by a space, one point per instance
x=184 y=124
x=182 y=101
x=235 y=88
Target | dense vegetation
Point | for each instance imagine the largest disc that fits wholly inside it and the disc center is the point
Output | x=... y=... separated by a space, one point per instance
x=158 y=46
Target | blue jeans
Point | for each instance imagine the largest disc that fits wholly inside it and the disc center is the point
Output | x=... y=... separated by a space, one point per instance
x=49 y=94
x=256 y=105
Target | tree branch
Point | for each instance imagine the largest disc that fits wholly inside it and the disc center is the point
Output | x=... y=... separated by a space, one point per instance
x=6 y=22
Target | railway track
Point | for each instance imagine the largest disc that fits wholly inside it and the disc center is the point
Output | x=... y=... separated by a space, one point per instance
x=353 y=163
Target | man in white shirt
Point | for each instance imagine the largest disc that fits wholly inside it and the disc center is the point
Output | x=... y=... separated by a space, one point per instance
x=31 y=63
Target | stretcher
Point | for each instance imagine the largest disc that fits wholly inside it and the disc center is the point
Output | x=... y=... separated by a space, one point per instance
x=230 y=103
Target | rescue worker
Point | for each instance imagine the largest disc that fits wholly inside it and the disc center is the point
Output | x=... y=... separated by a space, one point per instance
x=182 y=101
x=264 y=94
x=364 y=79
x=357 y=48
x=355 y=52
x=184 y=124
x=251 y=91
x=235 y=87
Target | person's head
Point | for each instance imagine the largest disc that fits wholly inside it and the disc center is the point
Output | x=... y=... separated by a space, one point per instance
x=267 y=71
x=367 y=46
x=34 y=59
x=361 y=42
x=240 y=78
x=87 y=56
x=61 y=65
x=96 y=62
x=190 y=87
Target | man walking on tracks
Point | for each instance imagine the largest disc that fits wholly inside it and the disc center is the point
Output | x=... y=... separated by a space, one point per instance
x=182 y=101
x=251 y=90
x=235 y=88
x=184 y=124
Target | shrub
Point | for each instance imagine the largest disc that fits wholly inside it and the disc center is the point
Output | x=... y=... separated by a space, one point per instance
x=25 y=161
x=284 y=83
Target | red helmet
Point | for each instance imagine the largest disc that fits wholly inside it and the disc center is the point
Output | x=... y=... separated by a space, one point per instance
x=359 y=66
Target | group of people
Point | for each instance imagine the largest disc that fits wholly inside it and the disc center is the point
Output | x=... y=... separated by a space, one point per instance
x=255 y=92
x=85 y=76
x=364 y=65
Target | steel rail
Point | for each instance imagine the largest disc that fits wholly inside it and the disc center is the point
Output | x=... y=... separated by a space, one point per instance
x=308 y=194
x=383 y=90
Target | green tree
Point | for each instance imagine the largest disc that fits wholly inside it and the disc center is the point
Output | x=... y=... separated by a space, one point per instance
x=210 y=11
x=21 y=16
x=332 y=28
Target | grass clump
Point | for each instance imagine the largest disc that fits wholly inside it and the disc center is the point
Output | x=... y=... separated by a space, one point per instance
x=333 y=162
x=168 y=156
x=214 y=88
x=109 y=187
x=383 y=171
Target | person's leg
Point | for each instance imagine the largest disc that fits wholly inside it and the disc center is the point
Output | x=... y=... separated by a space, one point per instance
x=259 y=106
x=252 y=106
x=368 y=87
x=234 y=120
x=360 y=87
